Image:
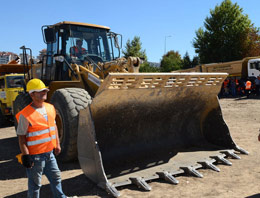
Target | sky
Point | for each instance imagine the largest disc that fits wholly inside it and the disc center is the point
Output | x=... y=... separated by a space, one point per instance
x=162 y=25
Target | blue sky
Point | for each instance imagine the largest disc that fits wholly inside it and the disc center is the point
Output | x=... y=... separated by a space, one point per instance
x=151 y=20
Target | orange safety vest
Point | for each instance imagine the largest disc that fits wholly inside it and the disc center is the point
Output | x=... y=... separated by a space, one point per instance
x=41 y=134
x=248 y=85
x=76 y=50
x=226 y=83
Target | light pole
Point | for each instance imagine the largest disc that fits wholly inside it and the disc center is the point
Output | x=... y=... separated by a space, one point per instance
x=165 y=43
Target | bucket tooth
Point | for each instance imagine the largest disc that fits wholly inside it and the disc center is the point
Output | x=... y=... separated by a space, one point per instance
x=141 y=183
x=167 y=177
x=209 y=165
x=192 y=171
x=241 y=150
x=222 y=159
x=231 y=154
x=110 y=189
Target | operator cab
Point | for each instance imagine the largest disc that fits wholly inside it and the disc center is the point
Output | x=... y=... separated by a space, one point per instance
x=77 y=43
x=254 y=68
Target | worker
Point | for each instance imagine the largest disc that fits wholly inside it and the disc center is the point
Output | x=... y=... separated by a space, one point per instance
x=78 y=50
x=233 y=87
x=38 y=138
x=248 y=88
x=257 y=84
x=226 y=87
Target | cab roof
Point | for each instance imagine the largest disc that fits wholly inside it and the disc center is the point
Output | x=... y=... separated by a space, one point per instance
x=81 y=24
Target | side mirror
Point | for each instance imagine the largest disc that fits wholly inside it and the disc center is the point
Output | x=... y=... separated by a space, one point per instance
x=117 y=40
x=48 y=34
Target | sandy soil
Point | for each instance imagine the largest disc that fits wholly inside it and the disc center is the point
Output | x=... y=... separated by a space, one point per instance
x=242 y=179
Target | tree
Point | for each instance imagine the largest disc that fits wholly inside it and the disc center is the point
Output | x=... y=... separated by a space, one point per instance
x=195 y=61
x=146 y=67
x=226 y=34
x=134 y=48
x=253 y=43
x=171 y=61
x=186 y=62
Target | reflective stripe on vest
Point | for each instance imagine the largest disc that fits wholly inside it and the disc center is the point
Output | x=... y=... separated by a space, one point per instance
x=41 y=134
x=32 y=143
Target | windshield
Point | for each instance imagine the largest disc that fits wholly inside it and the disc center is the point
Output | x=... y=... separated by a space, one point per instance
x=14 y=81
x=88 y=42
x=255 y=65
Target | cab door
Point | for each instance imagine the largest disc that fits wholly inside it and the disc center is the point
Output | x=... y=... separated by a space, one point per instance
x=2 y=90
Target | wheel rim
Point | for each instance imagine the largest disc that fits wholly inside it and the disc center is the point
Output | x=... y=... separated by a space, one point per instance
x=59 y=126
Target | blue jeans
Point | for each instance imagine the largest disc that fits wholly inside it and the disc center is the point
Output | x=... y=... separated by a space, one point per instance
x=44 y=163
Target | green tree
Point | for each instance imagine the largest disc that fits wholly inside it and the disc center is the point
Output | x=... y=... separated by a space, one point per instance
x=253 y=44
x=146 y=67
x=225 y=34
x=134 y=48
x=195 y=61
x=186 y=62
x=171 y=61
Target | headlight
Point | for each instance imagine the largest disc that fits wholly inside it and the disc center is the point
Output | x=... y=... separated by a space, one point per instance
x=59 y=58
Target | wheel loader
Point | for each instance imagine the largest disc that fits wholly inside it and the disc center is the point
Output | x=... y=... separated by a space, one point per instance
x=123 y=126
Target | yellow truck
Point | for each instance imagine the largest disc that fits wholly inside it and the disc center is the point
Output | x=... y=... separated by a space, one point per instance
x=248 y=67
x=10 y=85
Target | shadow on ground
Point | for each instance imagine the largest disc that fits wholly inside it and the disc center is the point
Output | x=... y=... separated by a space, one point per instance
x=79 y=186
x=254 y=196
x=9 y=166
x=11 y=169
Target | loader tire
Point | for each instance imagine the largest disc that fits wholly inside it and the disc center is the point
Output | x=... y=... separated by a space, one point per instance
x=21 y=101
x=68 y=102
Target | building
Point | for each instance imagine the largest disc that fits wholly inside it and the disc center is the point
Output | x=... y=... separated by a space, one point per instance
x=22 y=58
x=5 y=57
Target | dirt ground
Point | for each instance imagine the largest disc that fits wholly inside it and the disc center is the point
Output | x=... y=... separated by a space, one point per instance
x=242 y=179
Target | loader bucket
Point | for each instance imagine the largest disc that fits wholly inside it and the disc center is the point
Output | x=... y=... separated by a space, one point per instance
x=141 y=127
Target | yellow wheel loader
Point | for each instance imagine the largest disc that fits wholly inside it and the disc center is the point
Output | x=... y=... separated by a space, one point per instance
x=127 y=127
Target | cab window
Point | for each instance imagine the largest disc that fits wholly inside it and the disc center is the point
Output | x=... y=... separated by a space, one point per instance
x=2 y=83
x=14 y=81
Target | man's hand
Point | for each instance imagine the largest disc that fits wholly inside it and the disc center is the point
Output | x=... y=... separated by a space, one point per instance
x=27 y=161
x=57 y=150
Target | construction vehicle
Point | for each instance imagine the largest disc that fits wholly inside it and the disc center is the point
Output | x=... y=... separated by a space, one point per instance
x=247 y=68
x=238 y=71
x=11 y=75
x=127 y=127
